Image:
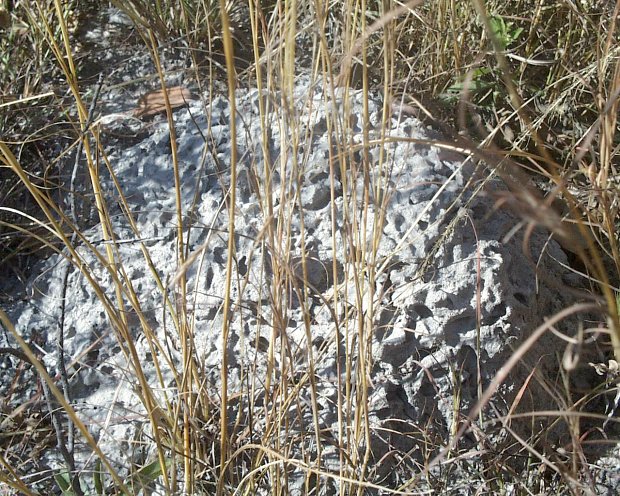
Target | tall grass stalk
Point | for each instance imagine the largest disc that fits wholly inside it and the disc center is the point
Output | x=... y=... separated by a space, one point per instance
x=232 y=198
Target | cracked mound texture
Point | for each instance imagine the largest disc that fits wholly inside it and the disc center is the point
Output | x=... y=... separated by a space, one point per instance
x=441 y=250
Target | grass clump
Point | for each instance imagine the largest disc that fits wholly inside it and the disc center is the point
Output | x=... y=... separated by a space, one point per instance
x=530 y=93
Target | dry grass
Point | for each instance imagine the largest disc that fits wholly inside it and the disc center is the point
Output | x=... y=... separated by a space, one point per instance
x=530 y=92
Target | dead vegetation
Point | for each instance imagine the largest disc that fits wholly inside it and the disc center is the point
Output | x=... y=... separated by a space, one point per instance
x=529 y=90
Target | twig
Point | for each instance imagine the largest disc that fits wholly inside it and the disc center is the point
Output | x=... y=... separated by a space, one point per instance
x=68 y=450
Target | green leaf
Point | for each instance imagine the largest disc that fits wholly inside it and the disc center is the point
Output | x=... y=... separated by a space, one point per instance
x=505 y=33
x=148 y=474
x=64 y=483
x=98 y=478
x=475 y=85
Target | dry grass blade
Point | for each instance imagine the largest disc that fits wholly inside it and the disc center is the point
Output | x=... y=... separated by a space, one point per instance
x=232 y=198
